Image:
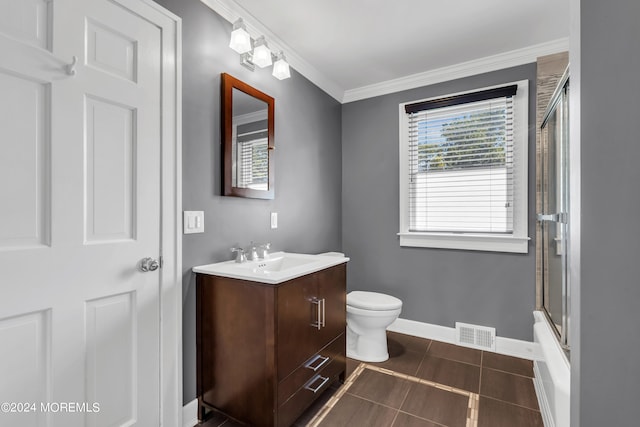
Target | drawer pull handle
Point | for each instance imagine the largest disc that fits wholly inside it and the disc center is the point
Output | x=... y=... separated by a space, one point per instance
x=310 y=363
x=307 y=386
x=318 y=322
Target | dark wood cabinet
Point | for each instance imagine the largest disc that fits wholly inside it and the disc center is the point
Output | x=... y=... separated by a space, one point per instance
x=266 y=352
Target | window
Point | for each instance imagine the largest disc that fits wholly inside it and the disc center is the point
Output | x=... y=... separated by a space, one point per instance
x=252 y=163
x=463 y=170
x=251 y=166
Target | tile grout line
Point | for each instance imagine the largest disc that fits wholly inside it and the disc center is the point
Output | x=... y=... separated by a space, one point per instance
x=317 y=419
x=511 y=403
x=403 y=400
x=473 y=407
x=473 y=402
x=421 y=418
x=420 y=380
x=473 y=397
x=508 y=372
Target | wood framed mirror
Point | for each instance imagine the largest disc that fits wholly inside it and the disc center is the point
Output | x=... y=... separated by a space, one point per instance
x=247 y=140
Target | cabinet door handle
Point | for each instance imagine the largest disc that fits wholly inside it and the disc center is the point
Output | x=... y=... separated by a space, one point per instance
x=322 y=323
x=318 y=322
x=307 y=386
x=309 y=364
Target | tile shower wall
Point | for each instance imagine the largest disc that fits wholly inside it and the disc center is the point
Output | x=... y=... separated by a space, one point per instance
x=307 y=162
x=437 y=286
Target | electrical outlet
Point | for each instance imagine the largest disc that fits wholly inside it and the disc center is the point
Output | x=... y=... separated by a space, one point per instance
x=274 y=219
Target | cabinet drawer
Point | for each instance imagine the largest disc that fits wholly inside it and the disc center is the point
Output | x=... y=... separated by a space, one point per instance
x=333 y=354
x=290 y=410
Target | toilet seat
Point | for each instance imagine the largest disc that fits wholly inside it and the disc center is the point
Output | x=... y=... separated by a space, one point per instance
x=373 y=301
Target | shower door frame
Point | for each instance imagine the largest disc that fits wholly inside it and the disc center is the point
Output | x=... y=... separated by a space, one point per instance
x=559 y=102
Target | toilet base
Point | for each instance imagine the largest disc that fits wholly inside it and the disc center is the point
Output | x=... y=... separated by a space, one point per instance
x=369 y=348
x=355 y=356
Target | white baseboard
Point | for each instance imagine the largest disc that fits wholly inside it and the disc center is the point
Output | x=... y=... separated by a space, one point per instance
x=190 y=414
x=507 y=346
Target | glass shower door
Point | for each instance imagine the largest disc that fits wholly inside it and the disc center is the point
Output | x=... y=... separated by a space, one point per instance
x=554 y=216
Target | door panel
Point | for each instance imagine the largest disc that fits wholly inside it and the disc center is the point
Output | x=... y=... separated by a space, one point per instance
x=296 y=314
x=331 y=288
x=110 y=51
x=24 y=112
x=26 y=20
x=110 y=159
x=555 y=205
x=552 y=230
x=80 y=171
x=111 y=359
x=28 y=369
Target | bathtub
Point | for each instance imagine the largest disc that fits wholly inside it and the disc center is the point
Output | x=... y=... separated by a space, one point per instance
x=552 y=375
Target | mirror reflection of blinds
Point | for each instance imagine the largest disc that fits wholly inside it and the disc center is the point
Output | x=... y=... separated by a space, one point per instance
x=461 y=163
x=253 y=164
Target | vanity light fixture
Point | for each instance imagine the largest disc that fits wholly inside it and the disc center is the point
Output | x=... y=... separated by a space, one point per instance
x=281 y=67
x=246 y=60
x=240 y=38
x=256 y=52
x=261 y=53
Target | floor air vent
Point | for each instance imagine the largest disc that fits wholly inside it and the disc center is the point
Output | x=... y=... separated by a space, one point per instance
x=476 y=336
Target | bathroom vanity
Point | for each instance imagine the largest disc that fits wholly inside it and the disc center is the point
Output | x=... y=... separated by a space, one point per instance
x=270 y=335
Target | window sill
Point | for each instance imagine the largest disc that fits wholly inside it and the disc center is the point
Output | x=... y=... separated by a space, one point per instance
x=471 y=242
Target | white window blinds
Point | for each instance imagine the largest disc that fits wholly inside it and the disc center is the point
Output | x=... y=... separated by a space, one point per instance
x=252 y=165
x=461 y=160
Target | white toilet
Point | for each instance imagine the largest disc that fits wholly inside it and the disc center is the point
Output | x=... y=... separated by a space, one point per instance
x=368 y=315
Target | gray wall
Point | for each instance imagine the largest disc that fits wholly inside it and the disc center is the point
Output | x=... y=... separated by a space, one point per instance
x=307 y=162
x=609 y=304
x=437 y=286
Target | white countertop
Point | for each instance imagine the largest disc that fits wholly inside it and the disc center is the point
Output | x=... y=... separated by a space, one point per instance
x=277 y=268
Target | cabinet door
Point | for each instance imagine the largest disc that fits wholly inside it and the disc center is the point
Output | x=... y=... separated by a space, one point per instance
x=332 y=292
x=235 y=343
x=296 y=314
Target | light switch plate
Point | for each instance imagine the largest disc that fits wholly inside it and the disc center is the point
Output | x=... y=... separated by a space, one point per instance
x=193 y=222
x=274 y=219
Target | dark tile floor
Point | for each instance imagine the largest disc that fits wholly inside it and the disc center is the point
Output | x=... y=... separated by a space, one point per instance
x=427 y=383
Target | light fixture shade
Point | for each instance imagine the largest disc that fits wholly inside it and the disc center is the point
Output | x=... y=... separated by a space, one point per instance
x=261 y=53
x=240 y=38
x=281 y=67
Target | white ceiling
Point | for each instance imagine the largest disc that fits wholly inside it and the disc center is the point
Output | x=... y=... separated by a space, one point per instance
x=352 y=45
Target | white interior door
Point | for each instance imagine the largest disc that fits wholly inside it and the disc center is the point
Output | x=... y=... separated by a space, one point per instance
x=80 y=186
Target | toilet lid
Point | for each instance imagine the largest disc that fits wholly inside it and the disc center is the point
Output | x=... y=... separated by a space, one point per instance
x=372 y=301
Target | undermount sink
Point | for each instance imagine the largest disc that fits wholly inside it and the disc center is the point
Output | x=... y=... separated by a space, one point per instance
x=277 y=268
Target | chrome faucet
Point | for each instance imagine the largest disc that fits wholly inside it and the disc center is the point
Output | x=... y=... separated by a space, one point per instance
x=264 y=249
x=240 y=255
x=252 y=253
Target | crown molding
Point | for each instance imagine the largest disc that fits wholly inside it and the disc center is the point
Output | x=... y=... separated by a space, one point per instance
x=231 y=11
x=465 y=69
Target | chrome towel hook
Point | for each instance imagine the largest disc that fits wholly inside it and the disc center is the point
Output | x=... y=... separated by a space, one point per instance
x=71 y=68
